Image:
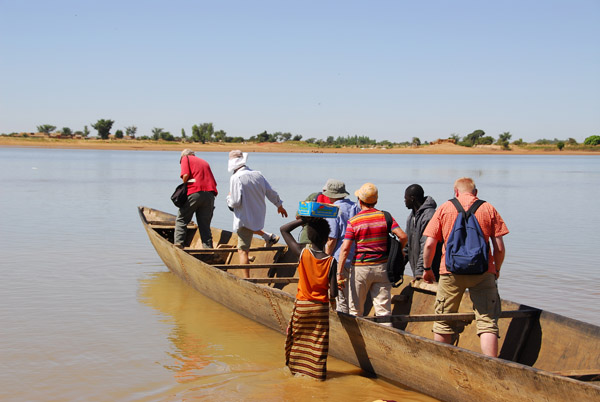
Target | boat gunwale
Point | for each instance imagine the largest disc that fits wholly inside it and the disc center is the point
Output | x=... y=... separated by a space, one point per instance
x=445 y=349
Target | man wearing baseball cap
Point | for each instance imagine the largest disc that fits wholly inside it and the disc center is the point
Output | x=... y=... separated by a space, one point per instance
x=368 y=276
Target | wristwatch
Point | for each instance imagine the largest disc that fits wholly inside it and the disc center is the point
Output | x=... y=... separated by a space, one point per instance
x=426 y=269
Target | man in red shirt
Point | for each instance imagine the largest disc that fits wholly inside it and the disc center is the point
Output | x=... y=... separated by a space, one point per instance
x=202 y=190
x=483 y=289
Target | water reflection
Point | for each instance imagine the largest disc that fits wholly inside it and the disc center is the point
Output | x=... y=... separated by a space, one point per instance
x=190 y=359
x=218 y=354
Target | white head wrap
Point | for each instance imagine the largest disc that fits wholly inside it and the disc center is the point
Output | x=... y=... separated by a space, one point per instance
x=237 y=159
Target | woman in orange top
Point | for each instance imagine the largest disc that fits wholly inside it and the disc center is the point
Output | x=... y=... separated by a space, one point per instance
x=307 y=341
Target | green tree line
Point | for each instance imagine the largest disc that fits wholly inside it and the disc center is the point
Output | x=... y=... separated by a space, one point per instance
x=206 y=132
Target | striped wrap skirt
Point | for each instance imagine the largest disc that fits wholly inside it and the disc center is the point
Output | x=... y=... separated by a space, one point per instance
x=307 y=341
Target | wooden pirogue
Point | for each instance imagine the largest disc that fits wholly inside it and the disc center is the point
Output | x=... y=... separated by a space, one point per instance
x=543 y=356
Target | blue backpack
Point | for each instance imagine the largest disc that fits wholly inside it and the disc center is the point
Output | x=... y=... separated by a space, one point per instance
x=466 y=249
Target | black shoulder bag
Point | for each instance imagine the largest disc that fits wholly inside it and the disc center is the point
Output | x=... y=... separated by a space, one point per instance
x=396 y=261
x=179 y=196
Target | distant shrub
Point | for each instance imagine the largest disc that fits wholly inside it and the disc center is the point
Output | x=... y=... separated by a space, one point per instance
x=592 y=140
x=487 y=140
x=560 y=145
x=504 y=144
x=167 y=136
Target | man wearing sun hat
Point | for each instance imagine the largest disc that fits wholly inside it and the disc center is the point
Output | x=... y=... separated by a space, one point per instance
x=335 y=191
x=249 y=211
x=368 y=276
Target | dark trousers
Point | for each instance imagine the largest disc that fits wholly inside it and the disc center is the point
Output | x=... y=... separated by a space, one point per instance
x=202 y=204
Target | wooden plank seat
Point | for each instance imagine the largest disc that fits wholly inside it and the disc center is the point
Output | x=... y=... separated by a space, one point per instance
x=257 y=266
x=169 y=225
x=156 y=222
x=272 y=280
x=226 y=250
x=451 y=316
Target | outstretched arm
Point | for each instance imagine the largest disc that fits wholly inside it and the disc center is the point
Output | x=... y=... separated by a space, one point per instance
x=282 y=211
x=293 y=245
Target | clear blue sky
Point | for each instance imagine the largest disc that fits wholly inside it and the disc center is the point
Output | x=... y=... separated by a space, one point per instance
x=385 y=69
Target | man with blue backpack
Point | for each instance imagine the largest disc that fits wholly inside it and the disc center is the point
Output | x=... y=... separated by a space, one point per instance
x=467 y=226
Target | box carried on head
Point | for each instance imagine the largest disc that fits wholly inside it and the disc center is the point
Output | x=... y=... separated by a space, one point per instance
x=317 y=209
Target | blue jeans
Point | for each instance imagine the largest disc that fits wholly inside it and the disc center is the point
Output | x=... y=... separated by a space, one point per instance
x=202 y=204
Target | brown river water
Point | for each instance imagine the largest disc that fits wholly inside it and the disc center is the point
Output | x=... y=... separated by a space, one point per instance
x=88 y=311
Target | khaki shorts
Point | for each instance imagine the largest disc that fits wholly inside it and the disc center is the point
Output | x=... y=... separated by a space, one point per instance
x=244 y=238
x=484 y=295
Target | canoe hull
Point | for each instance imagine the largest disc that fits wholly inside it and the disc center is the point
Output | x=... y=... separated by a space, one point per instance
x=443 y=371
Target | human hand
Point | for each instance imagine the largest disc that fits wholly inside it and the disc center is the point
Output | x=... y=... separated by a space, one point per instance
x=428 y=276
x=341 y=280
x=282 y=211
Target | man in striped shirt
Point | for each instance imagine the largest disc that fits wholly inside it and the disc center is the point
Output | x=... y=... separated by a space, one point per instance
x=368 y=276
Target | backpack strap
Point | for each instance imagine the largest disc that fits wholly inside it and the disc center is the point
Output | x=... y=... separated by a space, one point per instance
x=471 y=210
x=457 y=205
x=388 y=220
x=474 y=207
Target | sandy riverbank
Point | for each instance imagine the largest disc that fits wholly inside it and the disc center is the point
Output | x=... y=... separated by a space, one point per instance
x=134 y=145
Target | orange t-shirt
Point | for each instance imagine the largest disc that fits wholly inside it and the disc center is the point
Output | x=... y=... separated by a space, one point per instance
x=442 y=222
x=313 y=282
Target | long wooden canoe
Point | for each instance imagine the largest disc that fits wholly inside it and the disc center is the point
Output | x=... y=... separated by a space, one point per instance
x=543 y=356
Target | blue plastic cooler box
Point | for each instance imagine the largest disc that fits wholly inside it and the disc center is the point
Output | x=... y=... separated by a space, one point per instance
x=317 y=209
